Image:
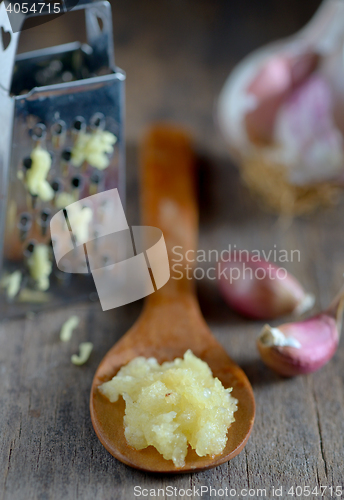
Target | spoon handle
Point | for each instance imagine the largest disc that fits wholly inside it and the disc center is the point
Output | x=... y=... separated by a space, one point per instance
x=169 y=201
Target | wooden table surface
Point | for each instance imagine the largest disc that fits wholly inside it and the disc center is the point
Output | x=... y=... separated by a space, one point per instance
x=48 y=449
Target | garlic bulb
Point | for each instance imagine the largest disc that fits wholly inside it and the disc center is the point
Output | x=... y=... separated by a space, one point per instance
x=309 y=143
x=85 y=349
x=305 y=346
x=258 y=289
x=294 y=84
x=273 y=84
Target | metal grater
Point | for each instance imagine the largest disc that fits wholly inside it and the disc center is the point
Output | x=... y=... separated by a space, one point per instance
x=51 y=99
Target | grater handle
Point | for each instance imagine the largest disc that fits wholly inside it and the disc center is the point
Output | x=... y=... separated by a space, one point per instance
x=100 y=39
x=8 y=53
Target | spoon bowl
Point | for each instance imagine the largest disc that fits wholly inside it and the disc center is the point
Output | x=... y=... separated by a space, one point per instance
x=171 y=321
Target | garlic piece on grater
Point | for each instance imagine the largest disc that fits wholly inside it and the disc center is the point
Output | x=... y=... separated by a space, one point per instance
x=40 y=266
x=11 y=282
x=93 y=148
x=79 y=219
x=36 y=175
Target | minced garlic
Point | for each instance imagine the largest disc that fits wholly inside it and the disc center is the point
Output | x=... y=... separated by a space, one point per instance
x=36 y=175
x=68 y=327
x=62 y=200
x=93 y=148
x=85 y=349
x=172 y=405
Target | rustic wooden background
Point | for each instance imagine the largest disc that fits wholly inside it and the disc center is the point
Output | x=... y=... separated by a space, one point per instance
x=177 y=55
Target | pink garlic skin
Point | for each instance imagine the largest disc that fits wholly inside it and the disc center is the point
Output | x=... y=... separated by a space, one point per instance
x=318 y=337
x=261 y=299
x=307 y=135
x=274 y=82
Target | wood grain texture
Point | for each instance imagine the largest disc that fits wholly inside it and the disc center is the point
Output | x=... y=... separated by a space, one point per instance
x=177 y=55
x=48 y=449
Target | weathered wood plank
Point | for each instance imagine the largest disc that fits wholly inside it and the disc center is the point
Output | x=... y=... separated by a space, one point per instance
x=177 y=56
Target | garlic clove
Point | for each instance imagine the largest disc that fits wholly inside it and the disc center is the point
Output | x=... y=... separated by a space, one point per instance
x=302 y=347
x=272 y=84
x=261 y=290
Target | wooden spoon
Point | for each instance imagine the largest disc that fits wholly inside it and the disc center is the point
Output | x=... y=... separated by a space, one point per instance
x=171 y=321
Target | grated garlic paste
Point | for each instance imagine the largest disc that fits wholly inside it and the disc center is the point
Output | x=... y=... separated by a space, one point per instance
x=172 y=405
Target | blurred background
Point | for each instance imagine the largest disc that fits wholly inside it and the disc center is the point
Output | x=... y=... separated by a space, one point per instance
x=178 y=53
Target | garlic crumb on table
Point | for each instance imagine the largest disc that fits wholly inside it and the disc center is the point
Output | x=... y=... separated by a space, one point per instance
x=68 y=327
x=85 y=349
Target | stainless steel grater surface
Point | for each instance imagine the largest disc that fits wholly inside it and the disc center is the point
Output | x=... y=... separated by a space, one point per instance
x=61 y=140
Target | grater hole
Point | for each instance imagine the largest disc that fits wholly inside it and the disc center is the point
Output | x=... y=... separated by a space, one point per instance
x=43 y=220
x=76 y=181
x=27 y=163
x=66 y=154
x=44 y=217
x=39 y=132
x=25 y=222
x=98 y=121
x=58 y=128
x=95 y=178
x=56 y=185
x=30 y=248
x=79 y=123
